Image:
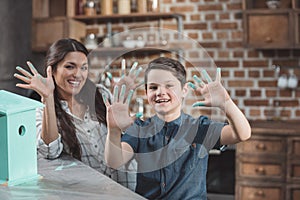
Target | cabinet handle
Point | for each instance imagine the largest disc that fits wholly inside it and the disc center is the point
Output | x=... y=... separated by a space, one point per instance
x=268 y=40
x=260 y=170
x=261 y=146
x=259 y=193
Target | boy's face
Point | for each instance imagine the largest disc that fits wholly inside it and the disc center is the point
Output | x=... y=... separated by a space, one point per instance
x=165 y=94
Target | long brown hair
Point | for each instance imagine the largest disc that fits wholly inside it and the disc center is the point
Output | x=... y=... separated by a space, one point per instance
x=55 y=54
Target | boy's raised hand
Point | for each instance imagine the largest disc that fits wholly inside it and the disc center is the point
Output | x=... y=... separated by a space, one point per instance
x=118 y=117
x=44 y=86
x=213 y=92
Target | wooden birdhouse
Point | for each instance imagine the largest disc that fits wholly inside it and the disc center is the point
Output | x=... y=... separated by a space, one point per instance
x=18 y=152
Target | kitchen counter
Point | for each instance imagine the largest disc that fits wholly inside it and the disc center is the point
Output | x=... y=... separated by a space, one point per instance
x=67 y=178
x=275 y=127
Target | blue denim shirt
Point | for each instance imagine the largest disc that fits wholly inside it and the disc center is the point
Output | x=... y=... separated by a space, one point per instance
x=172 y=156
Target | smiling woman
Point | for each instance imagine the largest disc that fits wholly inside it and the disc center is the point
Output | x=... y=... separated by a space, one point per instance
x=74 y=117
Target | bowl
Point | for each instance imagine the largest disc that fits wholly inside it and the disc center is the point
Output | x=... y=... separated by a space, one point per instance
x=129 y=44
x=273 y=4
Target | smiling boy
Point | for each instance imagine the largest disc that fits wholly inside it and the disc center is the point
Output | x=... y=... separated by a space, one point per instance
x=172 y=147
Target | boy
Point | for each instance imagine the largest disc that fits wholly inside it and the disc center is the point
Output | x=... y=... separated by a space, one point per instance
x=171 y=148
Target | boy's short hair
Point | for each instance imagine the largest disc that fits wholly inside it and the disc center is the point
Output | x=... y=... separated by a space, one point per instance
x=169 y=64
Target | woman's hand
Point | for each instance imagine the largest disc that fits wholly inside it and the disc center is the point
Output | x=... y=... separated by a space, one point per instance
x=213 y=92
x=43 y=86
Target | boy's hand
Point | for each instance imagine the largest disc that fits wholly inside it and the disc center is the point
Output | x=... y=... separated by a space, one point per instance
x=118 y=111
x=213 y=92
x=43 y=86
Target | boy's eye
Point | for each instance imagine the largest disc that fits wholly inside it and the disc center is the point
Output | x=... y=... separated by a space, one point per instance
x=169 y=86
x=152 y=87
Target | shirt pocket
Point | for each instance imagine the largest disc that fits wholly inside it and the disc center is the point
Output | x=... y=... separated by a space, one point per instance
x=187 y=157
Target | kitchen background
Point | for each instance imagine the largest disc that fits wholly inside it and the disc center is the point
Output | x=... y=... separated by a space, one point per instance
x=255 y=46
x=249 y=74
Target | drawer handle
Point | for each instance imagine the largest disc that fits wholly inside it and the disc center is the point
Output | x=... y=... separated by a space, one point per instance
x=260 y=170
x=259 y=193
x=261 y=146
x=268 y=40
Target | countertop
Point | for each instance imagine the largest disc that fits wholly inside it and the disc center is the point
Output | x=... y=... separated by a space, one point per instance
x=66 y=178
x=275 y=127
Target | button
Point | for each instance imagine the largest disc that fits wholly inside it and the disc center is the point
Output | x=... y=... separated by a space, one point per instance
x=88 y=131
x=163 y=184
x=96 y=146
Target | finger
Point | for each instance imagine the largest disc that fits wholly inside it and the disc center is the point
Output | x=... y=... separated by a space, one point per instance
x=199 y=81
x=191 y=85
x=109 y=75
x=133 y=67
x=49 y=72
x=24 y=72
x=105 y=100
x=123 y=67
x=116 y=93
x=22 y=78
x=25 y=86
x=138 y=72
x=32 y=68
x=200 y=103
x=122 y=93
x=206 y=76
x=130 y=93
x=218 y=75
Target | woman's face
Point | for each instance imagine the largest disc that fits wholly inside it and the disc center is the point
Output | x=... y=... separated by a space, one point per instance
x=165 y=93
x=71 y=74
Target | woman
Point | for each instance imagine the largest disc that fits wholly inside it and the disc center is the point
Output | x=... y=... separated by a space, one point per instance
x=74 y=117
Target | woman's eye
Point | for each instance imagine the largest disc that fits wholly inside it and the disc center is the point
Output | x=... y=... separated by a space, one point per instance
x=84 y=68
x=69 y=67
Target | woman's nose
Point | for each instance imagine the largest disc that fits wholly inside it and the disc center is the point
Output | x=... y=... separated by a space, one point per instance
x=77 y=72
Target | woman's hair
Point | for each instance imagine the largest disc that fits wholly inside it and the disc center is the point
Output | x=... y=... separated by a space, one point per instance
x=169 y=64
x=56 y=54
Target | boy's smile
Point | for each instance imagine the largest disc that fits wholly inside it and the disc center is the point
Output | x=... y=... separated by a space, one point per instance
x=165 y=94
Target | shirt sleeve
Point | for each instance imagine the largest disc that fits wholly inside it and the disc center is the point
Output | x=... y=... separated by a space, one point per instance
x=52 y=150
x=209 y=133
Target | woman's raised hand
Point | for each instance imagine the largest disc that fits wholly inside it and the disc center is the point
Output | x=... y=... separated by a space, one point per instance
x=213 y=92
x=44 y=86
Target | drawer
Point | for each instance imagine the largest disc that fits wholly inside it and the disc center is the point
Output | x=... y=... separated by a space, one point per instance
x=263 y=145
x=252 y=192
x=293 y=170
x=293 y=192
x=294 y=147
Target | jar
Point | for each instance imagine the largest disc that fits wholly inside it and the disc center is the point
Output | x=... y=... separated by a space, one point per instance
x=124 y=6
x=153 y=6
x=90 y=8
x=142 y=6
x=106 y=7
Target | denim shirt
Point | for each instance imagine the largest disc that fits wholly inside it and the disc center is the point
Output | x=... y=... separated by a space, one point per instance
x=172 y=156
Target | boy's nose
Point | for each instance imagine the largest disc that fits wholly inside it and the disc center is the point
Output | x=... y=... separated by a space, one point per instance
x=161 y=90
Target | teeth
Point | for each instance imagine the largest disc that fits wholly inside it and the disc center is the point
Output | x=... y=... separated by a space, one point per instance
x=162 y=101
x=75 y=83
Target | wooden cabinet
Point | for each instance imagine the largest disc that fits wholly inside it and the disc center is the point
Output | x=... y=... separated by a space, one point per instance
x=268 y=165
x=267 y=28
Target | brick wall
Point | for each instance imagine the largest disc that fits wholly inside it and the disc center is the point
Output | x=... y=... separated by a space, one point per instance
x=248 y=74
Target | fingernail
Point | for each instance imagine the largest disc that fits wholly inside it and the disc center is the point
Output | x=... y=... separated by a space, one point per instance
x=191 y=85
x=18 y=68
x=109 y=75
x=198 y=104
x=138 y=115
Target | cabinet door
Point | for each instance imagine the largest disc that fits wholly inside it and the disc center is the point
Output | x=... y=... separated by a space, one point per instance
x=267 y=29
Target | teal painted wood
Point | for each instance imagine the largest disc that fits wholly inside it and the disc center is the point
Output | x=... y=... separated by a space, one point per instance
x=18 y=154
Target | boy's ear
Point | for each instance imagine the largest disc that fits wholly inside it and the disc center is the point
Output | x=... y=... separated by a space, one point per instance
x=185 y=90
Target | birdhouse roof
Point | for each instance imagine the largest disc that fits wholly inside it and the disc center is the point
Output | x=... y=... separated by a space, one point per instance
x=13 y=103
